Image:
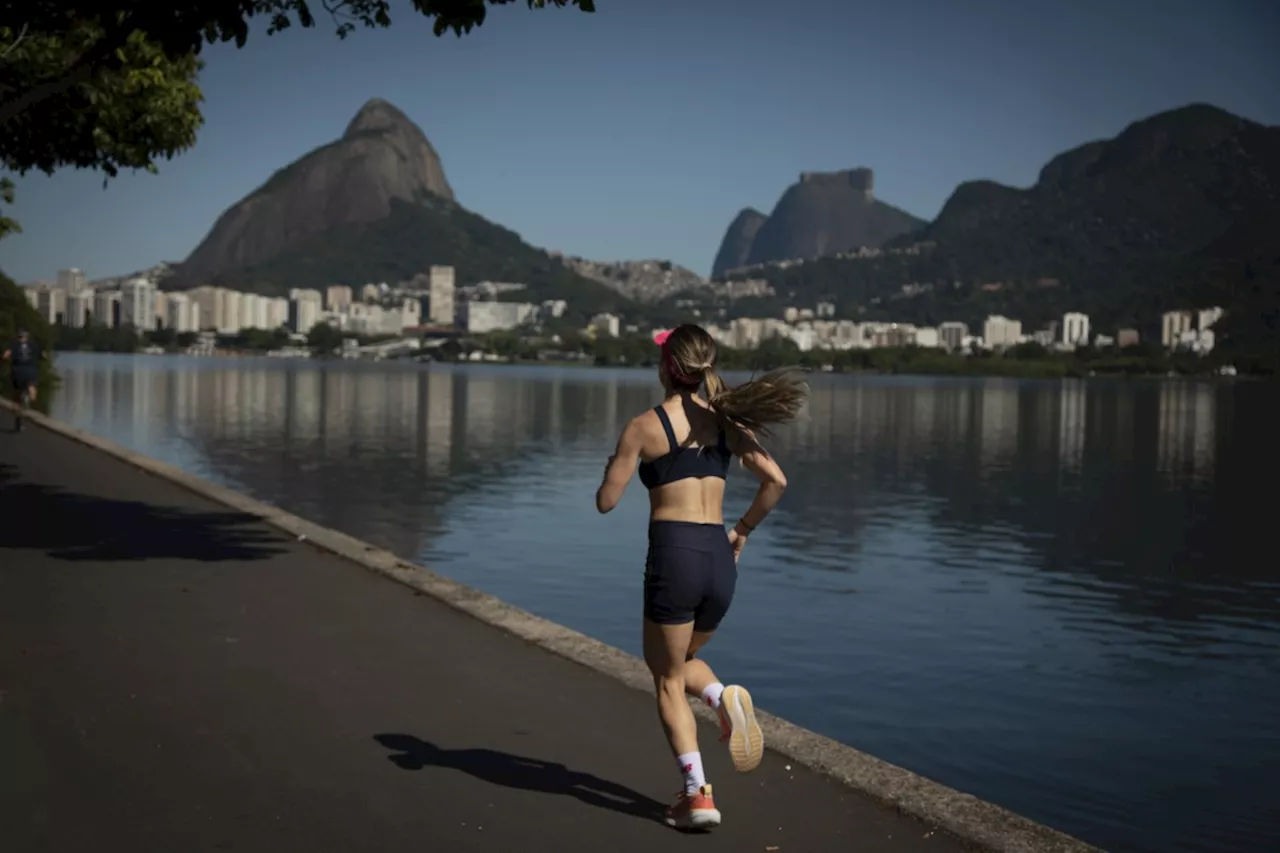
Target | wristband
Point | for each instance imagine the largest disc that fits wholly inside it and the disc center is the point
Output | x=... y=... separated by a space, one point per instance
x=748 y=527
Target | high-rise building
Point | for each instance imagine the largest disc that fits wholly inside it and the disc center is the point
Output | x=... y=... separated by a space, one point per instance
x=305 y=307
x=1000 y=332
x=277 y=310
x=1075 y=329
x=338 y=297
x=253 y=311
x=52 y=304
x=161 y=309
x=1172 y=326
x=480 y=317
x=926 y=336
x=606 y=324
x=138 y=304
x=106 y=308
x=72 y=280
x=952 y=334
x=79 y=308
x=441 y=294
x=410 y=314
x=183 y=313
x=1206 y=317
x=232 y=305
x=210 y=301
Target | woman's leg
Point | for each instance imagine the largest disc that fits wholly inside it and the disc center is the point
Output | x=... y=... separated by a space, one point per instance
x=698 y=676
x=665 y=649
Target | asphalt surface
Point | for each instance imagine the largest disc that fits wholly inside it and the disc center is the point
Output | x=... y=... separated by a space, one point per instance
x=176 y=677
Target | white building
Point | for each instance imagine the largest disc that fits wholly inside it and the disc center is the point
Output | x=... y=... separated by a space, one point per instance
x=72 y=280
x=481 y=317
x=52 y=304
x=554 y=308
x=304 y=309
x=1075 y=329
x=338 y=297
x=210 y=301
x=183 y=313
x=1172 y=326
x=248 y=318
x=927 y=337
x=410 y=314
x=1206 y=317
x=952 y=334
x=606 y=324
x=999 y=332
x=79 y=308
x=106 y=308
x=277 y=311
x=441 y=296
x=33 y=296
x=230 y=315
x=138 y=304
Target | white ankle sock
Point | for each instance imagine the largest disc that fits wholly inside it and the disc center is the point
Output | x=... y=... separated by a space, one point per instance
x=712 y=694
x=691 y=767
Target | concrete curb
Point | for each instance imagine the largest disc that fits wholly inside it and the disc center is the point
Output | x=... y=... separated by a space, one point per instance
x=979 y=823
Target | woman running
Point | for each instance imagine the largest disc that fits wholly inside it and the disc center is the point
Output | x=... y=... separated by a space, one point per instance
x=684 y=447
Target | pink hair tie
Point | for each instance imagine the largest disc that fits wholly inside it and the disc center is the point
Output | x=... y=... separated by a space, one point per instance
x=677 y=375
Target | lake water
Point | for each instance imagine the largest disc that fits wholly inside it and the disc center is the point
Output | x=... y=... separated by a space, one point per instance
x=1063 y=597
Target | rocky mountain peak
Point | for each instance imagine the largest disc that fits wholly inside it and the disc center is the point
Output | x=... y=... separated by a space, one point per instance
x=379 y=115
x=382 y=159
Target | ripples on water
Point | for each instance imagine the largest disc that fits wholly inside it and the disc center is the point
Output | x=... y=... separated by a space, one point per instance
x=1059 y=596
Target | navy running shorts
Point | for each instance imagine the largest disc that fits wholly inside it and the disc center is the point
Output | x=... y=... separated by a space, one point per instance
x=690 y=574
x=25 y=377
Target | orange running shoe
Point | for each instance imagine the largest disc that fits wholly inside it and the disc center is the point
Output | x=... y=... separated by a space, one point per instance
x=694 y=811
x=738 y=725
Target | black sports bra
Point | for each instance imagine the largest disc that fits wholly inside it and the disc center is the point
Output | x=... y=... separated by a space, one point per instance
x=680 y=463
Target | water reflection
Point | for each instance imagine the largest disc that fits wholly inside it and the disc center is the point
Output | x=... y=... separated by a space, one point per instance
x=1056 y=595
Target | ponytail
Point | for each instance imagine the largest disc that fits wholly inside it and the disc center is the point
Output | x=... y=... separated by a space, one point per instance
x=756 y=405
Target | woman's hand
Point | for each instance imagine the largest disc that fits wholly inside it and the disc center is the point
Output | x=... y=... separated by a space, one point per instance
x=737 y=540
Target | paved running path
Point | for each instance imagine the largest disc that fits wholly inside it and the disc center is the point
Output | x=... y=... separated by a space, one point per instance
x=177 y=678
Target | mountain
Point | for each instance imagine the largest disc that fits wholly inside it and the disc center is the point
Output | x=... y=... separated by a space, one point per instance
x=1177 y=210
x=823 y=214
x=735 y=248
x=373 y=205
x=643 y=281
x=1166 y=186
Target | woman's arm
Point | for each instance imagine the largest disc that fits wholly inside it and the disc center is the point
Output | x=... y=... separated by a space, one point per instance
x=772 y=482
x=620 y=467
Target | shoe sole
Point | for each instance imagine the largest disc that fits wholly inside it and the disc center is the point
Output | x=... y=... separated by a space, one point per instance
x=746 y=741
x=700 y=819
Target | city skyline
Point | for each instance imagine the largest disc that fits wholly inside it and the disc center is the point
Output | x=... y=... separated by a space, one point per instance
x=664 y=152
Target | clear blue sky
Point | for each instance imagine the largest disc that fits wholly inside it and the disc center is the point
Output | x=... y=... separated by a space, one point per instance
x=641 y=130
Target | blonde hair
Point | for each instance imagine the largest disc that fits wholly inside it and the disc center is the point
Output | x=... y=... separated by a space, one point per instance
x=755 y=406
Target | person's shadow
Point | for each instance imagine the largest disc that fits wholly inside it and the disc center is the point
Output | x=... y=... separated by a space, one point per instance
x=516 y=771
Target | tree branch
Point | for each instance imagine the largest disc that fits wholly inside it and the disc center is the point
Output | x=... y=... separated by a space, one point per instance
x=81 y=70
x=11 y=48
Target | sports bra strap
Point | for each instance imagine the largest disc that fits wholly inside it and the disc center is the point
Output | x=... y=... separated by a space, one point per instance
x=666 y=427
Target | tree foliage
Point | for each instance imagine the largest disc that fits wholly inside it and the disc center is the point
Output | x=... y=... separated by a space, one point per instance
x=16 y=312
x=93 y=36
x=112 y=86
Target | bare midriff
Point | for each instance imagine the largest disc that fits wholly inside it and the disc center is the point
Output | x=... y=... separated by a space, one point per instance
x=699 y=500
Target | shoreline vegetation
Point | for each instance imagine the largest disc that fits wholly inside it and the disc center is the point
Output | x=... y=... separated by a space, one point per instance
x=570 y=349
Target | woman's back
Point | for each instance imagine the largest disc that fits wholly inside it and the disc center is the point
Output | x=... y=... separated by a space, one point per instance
x=684 y=461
